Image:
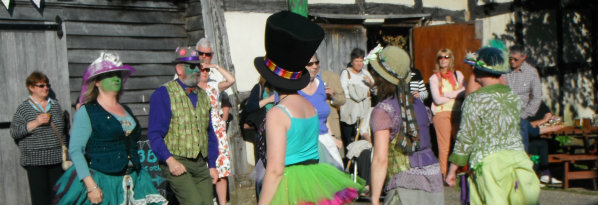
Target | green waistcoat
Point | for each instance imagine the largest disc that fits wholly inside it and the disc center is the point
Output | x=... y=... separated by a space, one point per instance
x=188 y=130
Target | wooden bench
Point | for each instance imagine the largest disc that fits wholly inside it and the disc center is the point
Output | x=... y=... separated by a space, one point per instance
x=574 y=175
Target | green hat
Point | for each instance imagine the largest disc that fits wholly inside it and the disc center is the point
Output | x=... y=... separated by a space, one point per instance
x=392 y=63
x=489 y=60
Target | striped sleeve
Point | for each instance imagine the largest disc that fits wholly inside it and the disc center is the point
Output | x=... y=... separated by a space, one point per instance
x=18 y=126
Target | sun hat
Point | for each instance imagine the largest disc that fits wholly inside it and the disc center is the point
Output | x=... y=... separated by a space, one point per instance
x=290 y=42
x=106 y=63
x=186 y=55
x=490 y=60
x=391 y=63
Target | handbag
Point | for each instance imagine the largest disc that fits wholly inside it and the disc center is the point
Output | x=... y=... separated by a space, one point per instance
x=66 y=163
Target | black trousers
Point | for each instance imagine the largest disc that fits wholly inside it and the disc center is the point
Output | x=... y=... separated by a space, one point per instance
x=348 y=132
x=41 y=182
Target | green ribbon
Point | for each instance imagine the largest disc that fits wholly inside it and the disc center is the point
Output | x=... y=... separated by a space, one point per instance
x=535 y=159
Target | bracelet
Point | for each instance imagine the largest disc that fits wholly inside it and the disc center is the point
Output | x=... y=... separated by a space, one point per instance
x=92 y=189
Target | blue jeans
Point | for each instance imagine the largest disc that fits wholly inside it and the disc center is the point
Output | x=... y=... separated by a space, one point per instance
x=524 y=129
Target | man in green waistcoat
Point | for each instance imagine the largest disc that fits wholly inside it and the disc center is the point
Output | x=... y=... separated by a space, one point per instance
x=181 y=134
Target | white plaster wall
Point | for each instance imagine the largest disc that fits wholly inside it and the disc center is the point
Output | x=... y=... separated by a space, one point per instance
x=246 y=40
x=496 y=25
x=454 y=5
x=331 y=2
x=398 y=2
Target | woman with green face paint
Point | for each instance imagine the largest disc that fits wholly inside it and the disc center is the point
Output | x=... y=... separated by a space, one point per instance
x=107 y=132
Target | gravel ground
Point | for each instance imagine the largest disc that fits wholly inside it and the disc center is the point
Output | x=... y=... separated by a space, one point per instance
x=548 y=196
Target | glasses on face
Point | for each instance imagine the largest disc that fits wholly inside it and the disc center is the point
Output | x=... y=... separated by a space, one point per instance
x=313 y=63
x=444 y=57
x=207 y=54
x=42 y=85
x=204 y=70
x=192 y=66
x=514 y=59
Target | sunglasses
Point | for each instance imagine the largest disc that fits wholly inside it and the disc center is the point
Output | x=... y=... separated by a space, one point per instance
x=312 y=63
x=204 y=70
x=42 y=85
x=444 y=57
x=207 y=54
x=514 y=59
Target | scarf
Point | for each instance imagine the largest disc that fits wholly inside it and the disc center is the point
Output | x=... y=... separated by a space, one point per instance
x=447 y=76
x=408 y=137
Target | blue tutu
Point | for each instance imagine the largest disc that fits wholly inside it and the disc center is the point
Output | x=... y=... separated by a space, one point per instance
x=133 y=188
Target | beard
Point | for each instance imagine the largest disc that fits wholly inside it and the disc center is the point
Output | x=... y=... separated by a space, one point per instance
x=189 y=81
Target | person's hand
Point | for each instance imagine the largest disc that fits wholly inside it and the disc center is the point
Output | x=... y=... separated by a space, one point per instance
x=214 y=175
x=329 y=92
x=270 y=99
x=368 y=81
x=415 y=94
x=207 y=65
x=451 y=179
x=43 y=118
x=451 y=95
x=175 y=167
x=95 y=196
x=339 y=143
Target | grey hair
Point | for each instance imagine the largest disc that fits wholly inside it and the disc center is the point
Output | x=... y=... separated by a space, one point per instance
x=518 y=49
x=203 y=42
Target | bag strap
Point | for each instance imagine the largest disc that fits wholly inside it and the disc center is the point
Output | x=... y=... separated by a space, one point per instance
x=51 y=123
x=348 y=73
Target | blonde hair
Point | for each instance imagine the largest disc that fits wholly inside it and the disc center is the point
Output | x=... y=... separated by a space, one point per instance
x=91 y=92
x=452 y=58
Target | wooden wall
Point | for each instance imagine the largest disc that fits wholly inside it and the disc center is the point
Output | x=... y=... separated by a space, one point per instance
x=144 y=34
x=22 y=53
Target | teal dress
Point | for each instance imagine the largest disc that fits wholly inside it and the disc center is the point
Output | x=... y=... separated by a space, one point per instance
x=130 y=186
x=304 y=180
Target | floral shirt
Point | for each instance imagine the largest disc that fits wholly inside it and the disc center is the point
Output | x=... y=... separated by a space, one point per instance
x=223 y=160
x=489 y=123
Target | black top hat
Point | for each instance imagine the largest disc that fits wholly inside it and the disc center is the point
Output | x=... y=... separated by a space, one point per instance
x=291 y=41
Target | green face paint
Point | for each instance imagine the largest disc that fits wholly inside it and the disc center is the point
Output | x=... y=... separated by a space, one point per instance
x=191 y=69
x=111 y=84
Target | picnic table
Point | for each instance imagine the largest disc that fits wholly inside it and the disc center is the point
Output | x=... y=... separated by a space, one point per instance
x=586 y=151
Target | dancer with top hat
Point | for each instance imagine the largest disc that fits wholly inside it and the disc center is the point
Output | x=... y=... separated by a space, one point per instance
x=293 y=175
x=103 y=144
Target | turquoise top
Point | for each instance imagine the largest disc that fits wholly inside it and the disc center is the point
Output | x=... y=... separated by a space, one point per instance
x=302 y=138
x=80 y=134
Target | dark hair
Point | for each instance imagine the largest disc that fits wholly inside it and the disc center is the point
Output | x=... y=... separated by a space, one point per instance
x=517 y=49
x=36 y=77
x=357 y=53
x=384 y=88
x=481 y=74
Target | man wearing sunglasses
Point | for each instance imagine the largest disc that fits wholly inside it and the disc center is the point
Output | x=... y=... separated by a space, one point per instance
x=181 y=134
x=525 y=82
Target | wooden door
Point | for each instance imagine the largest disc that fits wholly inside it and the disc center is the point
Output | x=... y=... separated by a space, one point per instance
x=22 y=52
x=459 y=38
x=334 y=51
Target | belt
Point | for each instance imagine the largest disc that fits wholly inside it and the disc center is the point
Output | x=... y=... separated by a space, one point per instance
x=306 y=162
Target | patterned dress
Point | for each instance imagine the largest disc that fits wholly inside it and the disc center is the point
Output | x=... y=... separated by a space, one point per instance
x=223 y=160
x=490 y=142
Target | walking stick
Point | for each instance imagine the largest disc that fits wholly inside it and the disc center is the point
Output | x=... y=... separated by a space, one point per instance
x=356 y=138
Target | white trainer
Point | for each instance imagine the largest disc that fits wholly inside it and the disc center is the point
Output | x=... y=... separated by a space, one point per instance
x=547 y=180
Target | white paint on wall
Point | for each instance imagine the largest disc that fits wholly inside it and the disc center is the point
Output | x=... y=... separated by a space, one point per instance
x=496 y=25
x=331 y=2
x=246 y=40
x=398 y=2
x=454 y=5
x=483 y=2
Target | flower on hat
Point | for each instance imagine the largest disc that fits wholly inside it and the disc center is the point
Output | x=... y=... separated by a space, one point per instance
x=489 y=59
x=373 y=54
